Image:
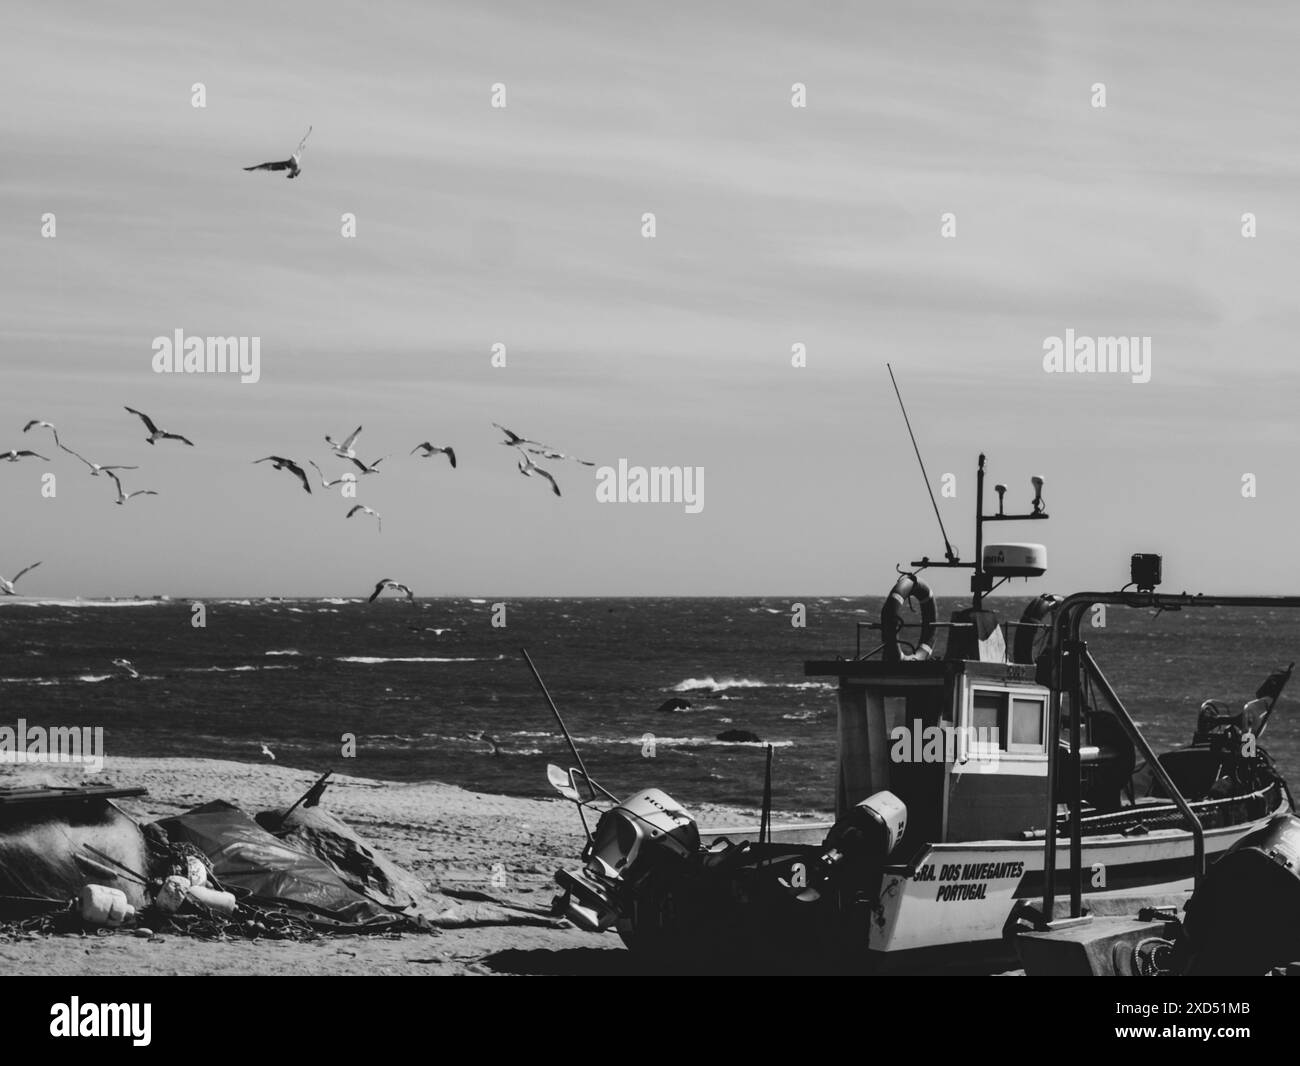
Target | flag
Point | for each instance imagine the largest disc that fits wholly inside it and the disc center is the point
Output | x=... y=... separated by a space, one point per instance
x=1273 y=684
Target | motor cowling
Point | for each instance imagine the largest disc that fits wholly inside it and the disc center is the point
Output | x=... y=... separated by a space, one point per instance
x=1241 y=918
x=858 y=846
x=631 y=841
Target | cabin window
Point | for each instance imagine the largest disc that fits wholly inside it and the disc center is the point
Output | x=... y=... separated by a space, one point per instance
x=1028 y=723
x=1002 y=720
x=988 y=721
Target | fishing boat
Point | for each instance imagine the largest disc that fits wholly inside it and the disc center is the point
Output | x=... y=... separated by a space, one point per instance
x=998 y=783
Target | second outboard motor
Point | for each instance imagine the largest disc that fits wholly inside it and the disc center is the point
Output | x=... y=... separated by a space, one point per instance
x=1241 y=919
x=859 y=844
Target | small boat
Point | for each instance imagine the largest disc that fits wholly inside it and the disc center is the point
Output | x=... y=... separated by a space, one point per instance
x=1001 y=781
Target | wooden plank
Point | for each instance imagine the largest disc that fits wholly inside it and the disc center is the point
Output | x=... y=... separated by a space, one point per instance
x=64 y=796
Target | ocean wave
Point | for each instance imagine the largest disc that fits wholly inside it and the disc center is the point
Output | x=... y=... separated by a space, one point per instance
x=26 y=601
x=285 y=651
x=400 y=659
x=230 y=669
x=715 y=686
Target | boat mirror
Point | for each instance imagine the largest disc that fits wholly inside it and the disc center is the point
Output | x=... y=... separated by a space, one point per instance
x=561 y=781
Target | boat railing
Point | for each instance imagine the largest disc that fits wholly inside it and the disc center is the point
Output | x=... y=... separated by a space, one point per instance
x=876 y=626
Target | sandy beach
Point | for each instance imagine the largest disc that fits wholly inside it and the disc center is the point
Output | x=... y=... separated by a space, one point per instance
x=449 y=837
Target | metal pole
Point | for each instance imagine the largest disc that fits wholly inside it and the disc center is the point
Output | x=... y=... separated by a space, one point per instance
x=977 y=580
x=1077 y=650
x=563 y=728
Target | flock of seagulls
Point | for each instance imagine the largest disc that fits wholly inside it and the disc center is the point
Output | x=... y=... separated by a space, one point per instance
x=526 y=448
x=346 y=450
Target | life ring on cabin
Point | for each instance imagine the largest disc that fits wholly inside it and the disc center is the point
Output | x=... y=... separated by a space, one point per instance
x=1034 y=632
x=907 y=587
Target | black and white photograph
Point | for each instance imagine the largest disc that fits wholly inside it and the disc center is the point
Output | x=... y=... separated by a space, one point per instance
x=599 y=490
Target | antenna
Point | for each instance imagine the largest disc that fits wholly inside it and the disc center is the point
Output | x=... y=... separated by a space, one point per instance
x=947 y=546
x=563 y=728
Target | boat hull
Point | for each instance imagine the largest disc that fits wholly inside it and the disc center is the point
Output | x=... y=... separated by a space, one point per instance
x=956 y=900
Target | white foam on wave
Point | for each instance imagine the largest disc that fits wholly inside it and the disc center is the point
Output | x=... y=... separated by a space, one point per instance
x=33 y=601
x=399 y=659
x=711 y=684
x=285 y=651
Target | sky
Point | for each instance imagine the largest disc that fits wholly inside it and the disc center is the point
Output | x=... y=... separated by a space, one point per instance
x=775 y=226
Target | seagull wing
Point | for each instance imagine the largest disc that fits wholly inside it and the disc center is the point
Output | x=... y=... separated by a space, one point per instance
x=515 y=438
x=89 y=463
x=36 y=454
x=299 y=473
x=177 y=436
x=47 y=425
x=355 y=508
x=23 y=571
x=283 y=164
x=548 y=477
x=148 y=422
x=302 y=145
x=451 y=454
x=351 y=439
x=428 y=449
x=355 y=462
x=120 y=494
x=107 y=468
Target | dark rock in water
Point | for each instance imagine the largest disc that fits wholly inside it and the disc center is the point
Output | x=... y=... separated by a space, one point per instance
x=740 y=736
x=674 y=704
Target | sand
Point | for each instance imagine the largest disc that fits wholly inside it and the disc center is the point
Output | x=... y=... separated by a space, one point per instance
x=447 y=836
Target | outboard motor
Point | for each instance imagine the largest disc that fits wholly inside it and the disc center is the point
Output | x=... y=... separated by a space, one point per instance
x=1241 y=919
x=632 y=841
x=859 y=844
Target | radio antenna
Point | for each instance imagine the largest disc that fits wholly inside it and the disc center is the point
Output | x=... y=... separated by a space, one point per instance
x=947 y=545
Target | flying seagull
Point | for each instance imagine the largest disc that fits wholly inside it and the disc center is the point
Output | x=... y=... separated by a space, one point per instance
x=388 y=583
x=345 y=450
x=330 y=484
x=268 y=753
x=373 y=468
x=13 y=456
x=47 y=425
x=551 y=453
x=293 y=164
x=426 y=449
x=370 y=511
x=514 y=440
x=128 y=666
x=95 y=468
x=156 y=434
x=528 y=468
x=279 y=462
x=7 y=587
x=122 y=497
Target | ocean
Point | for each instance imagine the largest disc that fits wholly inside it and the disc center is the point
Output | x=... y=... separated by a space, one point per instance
x=415 y=682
